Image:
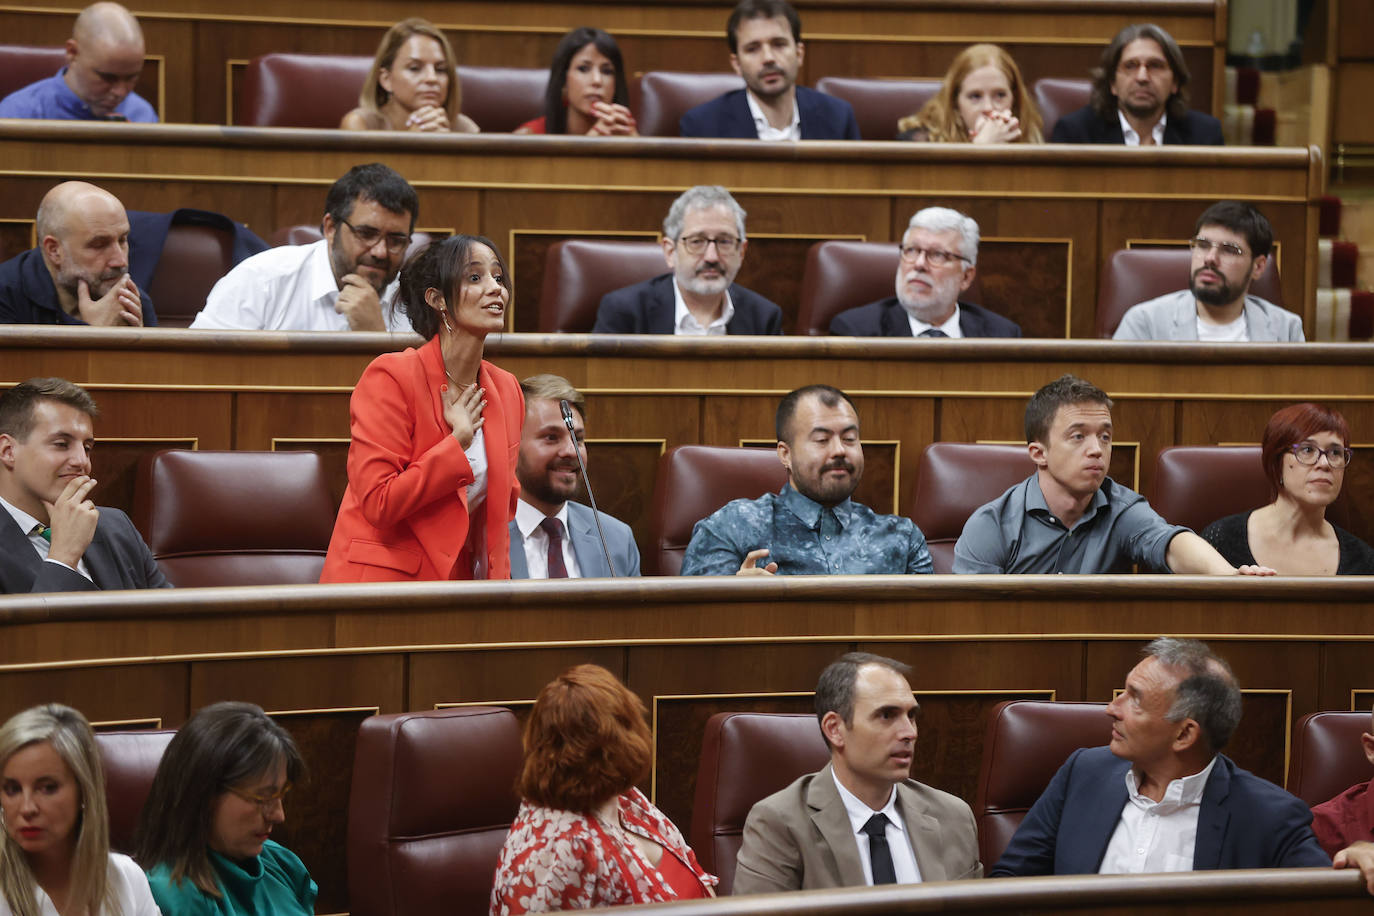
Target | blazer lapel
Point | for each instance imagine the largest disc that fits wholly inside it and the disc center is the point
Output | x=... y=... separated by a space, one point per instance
x=970 y=322
x=895 y=322
x=15 y=545
x=924 y=833
x=660 y=317
x=1213 y=817
x=102 y=562
x=741 y=121
x=519 y=569
x=497 y=447
x=831 y=819
x=585 y=542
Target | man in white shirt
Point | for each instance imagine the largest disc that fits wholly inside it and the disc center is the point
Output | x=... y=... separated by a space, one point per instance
x=551 y=536
x=1162 y=797
x=862 y=819
x=1231 y=245
x=344 y=282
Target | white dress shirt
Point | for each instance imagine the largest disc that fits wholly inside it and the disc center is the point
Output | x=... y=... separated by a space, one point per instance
x=26 y=524
x=536 y=541
x=685 y=323
x=898 y=843
x=1133 y=139
x=767 y=131
x=950 y=327
x=1157 y=836
x=287 y=288
x=476 y=453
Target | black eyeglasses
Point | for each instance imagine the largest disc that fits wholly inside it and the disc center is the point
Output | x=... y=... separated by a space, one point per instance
x=696 y=244
x=935 y=257
x=370 y=236
x=1338 y=456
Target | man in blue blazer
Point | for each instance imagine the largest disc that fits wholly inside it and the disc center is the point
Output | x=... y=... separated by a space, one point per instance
x=553 y=537
x=766 y=50
x=1161 y=797
x=938 y=261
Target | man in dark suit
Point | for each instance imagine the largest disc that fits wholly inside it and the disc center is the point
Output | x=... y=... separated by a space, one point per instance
x=1140 y=97
x=1161 y=797
x=938 y=261
x=766 y=50
x=862 y=819
x=551 y=536
x=703 y=244
x=52 y=537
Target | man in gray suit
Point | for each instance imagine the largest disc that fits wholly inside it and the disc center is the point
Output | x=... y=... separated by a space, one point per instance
x=862 y=819
x=551 y=537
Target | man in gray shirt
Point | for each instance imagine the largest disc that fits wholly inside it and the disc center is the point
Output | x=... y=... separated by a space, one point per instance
x=1069 y=516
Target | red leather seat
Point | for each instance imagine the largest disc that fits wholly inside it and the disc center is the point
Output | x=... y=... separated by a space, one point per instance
x=130 y=761
x=696 y=480
x=500 y=99
x=1026 y=743
x=578 y=272
x=1328 y=757
x=665 y=96
x=879 y=104
x=745 y=757
x=194 y=257
x=301 y=90
x=955 y=478
x=1058 y=97
x=21 y=65
x=235 y=517
x=431 y=803
x=1134 y=275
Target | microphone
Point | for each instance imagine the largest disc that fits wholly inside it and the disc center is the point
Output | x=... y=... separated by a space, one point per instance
x=566 y=410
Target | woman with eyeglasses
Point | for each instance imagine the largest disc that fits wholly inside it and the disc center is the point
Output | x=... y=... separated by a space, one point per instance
x=1305 y=452
x=983 y=99
x=56 y=854
x=203 y=834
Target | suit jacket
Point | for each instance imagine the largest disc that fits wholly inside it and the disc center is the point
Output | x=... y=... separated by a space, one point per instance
x=1087 y=126
x=647 y=308
x=405 y=515
x=887 y=318
x=801 y=838
x=823 y=117
x=117 y=558
x=28 y=296
x=1244 y=821
x=1173 y=316
x=586 y=545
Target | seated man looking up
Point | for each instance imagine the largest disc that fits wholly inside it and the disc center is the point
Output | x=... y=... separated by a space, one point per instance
x=812 y=527
x=1069 y=516
x=862 y=819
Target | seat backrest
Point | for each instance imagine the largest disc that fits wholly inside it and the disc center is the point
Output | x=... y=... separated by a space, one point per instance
x=745 y=757
x=1328 y=757
x=130 y=761
x=1134 y=275
x=1058 y=97
x=879 y=104
x=665 y=96
x=235 y=517
x=696 y=480
x=1026 y=743
x=578 y=272
x=193 y=259
x=297 y=235
x=431 y=803
x=955 y=478
x=500 y=99
x=23 y=64
x=301 y=90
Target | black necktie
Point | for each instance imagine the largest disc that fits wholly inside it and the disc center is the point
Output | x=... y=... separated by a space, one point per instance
x=878 y=853
x=933 y=332
x=554 y=529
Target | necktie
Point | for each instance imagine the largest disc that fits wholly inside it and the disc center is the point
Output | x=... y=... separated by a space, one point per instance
x=878 y=853
x=933 y=332
x=554 y=529
x=43 y=531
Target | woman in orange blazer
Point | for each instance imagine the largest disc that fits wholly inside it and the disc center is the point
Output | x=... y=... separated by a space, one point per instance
x=436 y=433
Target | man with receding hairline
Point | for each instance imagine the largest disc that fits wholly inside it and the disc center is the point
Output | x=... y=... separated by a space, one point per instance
x=104 y=62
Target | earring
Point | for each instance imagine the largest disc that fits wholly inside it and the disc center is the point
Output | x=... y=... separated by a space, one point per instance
x=446 y=324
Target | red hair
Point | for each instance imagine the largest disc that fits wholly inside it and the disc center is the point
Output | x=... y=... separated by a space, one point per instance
x=585 y=741
x=1290 y=426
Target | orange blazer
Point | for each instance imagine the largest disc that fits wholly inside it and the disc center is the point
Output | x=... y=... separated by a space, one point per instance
x=404 y=515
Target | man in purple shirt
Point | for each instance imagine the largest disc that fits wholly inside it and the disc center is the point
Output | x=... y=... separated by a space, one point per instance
x=104 y=60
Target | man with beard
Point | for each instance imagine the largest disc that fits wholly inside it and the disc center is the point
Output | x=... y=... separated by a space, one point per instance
x=344 y=282
x=766 y=50
x=1139 y=97
x=551 y=537
x=1231 y=244
x=703 y=244
x=939 y=256
x=79 y=273
x=811 y=527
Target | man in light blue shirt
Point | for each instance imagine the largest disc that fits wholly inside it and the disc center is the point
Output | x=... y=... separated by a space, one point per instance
x=104 y=61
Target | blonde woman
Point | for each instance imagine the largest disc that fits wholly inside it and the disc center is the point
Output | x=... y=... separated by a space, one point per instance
x=413 y=84
x=983 y=100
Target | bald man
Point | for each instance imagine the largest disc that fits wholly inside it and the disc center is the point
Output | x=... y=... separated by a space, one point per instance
x=104 y=60
x=79 y=273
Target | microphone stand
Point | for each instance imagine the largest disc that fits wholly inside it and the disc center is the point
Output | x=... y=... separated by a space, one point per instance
x=566 y=410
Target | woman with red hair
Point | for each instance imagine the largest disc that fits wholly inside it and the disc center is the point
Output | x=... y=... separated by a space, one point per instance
x=984 y=99
x=1305 y=453
x=585 y=837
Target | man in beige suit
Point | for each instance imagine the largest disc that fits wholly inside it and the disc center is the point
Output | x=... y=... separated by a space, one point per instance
x=862 y=819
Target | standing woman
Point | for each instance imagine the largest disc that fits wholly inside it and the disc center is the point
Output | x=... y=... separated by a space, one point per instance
x=413 y=84
x=436 y=433
x=983 y=100
x=56 y=856
x=587 y=92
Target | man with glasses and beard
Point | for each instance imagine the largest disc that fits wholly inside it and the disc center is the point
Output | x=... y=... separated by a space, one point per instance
x=344 y=282
x=811 y=527
x=1231 y=245
x=79 y=273
x=703 y=244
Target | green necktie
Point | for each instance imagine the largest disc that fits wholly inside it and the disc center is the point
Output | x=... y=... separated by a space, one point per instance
x=43 y=531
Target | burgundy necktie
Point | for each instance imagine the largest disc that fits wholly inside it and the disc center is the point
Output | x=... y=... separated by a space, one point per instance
x=554 y=529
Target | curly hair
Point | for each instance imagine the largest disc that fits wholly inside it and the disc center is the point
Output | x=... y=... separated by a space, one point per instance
x=940 y=116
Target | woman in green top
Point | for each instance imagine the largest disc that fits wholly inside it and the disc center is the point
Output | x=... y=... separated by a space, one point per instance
x=203 y=833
